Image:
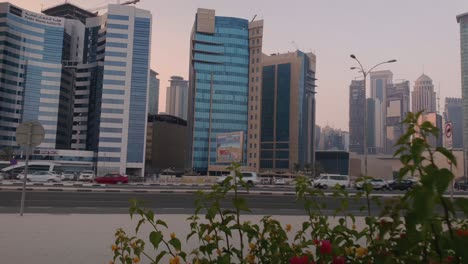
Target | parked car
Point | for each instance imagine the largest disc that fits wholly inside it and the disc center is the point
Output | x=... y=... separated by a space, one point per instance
x=331 y=180
x=68 y=176
x=86 y=175
x=250 y=178
x=377 y=184
x=112 y=178
x=279 y=181
x=461 y=185
x=402 y=185
x=41 y=176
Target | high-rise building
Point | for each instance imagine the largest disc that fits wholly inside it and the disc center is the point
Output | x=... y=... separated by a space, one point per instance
x=374 y=114
x=454 y=113
x=318 y=136
x=287 y=117
x=332 y=139
x=423 y=96
x=379 y=83
x=177 y=97
x=398 y=106
x=113 y=83
x=357 y=102
x=69 y=11
x=153 y=99
x=35 y=84
x=463 y=21
x=220 y=62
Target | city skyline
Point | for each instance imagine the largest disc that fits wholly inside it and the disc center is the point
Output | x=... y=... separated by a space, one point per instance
x=337 y=29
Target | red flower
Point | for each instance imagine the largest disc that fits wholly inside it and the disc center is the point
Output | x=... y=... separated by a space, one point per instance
x=462 y=232
x=403 y=235
x=339 y=260
x=316 y=242
x=300 y=260
x=326 y=247
x=449 y=259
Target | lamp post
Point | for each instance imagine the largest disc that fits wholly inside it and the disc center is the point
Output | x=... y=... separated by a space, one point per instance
x=364 y=74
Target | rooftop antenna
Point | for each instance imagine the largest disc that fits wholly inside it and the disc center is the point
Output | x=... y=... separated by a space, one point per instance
x=253 y=18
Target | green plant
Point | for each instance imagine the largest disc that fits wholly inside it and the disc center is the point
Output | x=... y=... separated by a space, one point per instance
x=422 y=226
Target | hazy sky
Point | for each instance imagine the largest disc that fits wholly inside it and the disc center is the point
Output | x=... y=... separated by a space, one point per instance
x=420 y=34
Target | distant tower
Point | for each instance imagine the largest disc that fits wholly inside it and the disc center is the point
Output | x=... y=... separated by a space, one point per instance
x=423 y=95
x=356 y=116
x=177 y=97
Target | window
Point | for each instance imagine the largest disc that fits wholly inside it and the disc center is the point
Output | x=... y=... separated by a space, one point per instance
x=258 y=60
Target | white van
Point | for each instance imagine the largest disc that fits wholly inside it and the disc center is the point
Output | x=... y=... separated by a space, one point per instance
x=331 y=180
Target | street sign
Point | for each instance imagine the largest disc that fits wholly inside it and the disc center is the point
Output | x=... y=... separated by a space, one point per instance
x=29 y=134
x=448 y=131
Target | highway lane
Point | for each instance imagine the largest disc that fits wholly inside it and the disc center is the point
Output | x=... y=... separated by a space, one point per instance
x=163 y=203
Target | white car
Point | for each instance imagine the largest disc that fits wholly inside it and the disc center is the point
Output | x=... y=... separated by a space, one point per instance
x=331 y=180
x=279 y=181
x=250 y=178
x=86 y=175
x=41 y=176
x=67 y=176
x=377 y=184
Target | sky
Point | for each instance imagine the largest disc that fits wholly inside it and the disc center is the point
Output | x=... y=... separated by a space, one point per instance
x=422 y=35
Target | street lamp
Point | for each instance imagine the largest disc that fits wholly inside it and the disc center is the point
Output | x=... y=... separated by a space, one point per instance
x=365 y=73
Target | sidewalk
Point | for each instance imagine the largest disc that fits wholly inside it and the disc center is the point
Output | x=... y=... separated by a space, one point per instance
x=82 y=238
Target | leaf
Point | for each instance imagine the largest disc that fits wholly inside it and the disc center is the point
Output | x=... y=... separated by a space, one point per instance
x=156 y=238
x=183 y=255
x=442 y=180
x=160 y=256
x=448 y=154
x=175 y=242
x=462 y=203
x=150 y=215
x=139 y=224
x=161 y=222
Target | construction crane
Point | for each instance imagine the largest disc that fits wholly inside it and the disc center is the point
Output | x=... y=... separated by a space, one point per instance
x=118 y=2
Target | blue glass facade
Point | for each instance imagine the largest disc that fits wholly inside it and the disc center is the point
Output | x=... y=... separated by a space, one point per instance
x=139 y=91
x=30 y=69
x=220 y=78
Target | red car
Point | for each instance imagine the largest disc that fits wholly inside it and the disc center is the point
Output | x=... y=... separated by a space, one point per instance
x=112 y=178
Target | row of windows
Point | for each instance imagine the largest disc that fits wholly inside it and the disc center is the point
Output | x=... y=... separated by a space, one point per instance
x=117 y=26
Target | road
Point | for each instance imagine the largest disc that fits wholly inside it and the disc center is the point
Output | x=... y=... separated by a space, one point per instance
x=110 y=202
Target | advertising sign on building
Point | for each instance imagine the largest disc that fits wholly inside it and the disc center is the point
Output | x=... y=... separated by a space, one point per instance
x=448 y=131
x=229 y=147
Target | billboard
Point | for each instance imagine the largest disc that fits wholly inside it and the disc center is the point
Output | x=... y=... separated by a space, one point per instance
x=229 y=147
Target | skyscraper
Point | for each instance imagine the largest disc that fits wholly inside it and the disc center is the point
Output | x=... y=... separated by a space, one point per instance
x=423 y=96
x=177 y=97
x=379 y=81
x=463 y=21
x=35 y=85
x=454 y=113
x=153 y=99
x=397 y=108
x=218 y=85
x=356 y=116
x=114 y=81
x=374 y=113
x=287 y=120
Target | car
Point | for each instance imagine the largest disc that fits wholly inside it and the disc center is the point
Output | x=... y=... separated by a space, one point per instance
x=402 y=185
x=112 y=178
x=40 y=176
x=331 y=180
x=279 y=181
x=377 y=184
x=86 y=175
x=250 y=178
x=68 y=176
x=461 y=185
